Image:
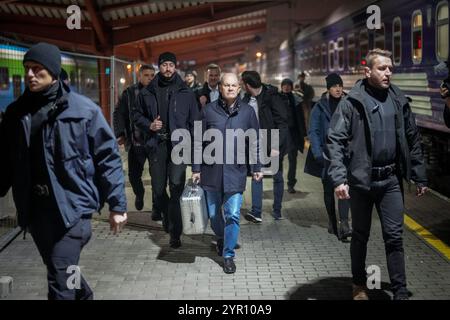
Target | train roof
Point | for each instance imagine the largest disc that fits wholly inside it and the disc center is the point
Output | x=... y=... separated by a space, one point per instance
x=340 y=13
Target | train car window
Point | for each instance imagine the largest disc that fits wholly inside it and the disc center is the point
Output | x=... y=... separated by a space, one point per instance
x=331 y=55
x=363 y=44
x=306 y=59
x=379 y=37
x=416 y=34
x=351 y=52
x=310 y=58
x=324 y=57
x=4 y=78
x=340 y=53
x=317 y=59
x=442 y=31
x=397 y=41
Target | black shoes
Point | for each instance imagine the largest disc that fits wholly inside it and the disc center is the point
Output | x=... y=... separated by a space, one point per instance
x=175 y=243
x=291 y=190
x=139 y=203
x=344 y=230
x=219 y=247
x=402 y=294
x=229 y=266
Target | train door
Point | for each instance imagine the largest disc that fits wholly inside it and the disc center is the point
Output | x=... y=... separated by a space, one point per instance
x=17 y=88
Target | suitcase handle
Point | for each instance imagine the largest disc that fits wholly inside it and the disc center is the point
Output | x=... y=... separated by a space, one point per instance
x=193 y=184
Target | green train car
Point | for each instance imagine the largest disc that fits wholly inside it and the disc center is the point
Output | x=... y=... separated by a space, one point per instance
x=83 y=74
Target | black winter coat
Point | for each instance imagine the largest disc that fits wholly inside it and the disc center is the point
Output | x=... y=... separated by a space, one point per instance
x=203 y=91
x=351 y=123
x=123 y=124
x=298 y=131
x=183 y=111
x=272 y=114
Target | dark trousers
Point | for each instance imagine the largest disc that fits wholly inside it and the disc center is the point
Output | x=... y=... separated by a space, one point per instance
x=330 y=205
x=136 y=161
x=292 y=171
x=60 y=248
x=163 y=169
x=387 y=197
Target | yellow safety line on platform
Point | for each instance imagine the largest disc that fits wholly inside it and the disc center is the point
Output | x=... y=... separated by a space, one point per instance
x=427 y=236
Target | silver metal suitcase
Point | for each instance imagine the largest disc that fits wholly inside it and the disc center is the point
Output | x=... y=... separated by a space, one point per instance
x=194 y=213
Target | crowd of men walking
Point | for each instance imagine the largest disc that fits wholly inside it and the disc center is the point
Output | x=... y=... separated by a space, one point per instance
x=62 y=159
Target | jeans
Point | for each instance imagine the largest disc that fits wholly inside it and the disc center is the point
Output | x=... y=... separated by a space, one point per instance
x=278 y=190
x=387 y=197
x=163 y=169
x=225 y=226
x=136 y=161
x=60 y=248
x=330 y=204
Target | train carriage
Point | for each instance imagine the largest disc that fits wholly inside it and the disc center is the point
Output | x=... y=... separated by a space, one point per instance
x=416 y=32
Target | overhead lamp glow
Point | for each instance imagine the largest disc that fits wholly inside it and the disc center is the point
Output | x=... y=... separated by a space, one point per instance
x=129 y=67
x=258 y=54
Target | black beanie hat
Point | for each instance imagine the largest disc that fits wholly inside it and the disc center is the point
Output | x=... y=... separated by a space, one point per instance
x=190 y=71
x=333 y=79
x=287 y=82
x=167 y=56
x=46 y=54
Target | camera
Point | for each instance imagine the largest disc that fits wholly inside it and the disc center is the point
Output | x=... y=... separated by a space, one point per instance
x=443 y=68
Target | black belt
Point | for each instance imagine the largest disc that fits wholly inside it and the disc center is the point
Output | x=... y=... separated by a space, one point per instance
x=382 y=173
x=41 y=190
x=163 y=136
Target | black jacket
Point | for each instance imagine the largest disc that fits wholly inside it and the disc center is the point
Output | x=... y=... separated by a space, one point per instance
x=272 y=114
x=351 y=123
x=203 y=91
x=308 y=93
x=81 y=153
x=298 y=131
x=447 y=116
x=195 y=87
x=123 y=126
x=183 y=111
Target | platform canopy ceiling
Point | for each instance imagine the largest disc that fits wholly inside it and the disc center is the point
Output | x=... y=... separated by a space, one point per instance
x=136 y=29
x=197 y=31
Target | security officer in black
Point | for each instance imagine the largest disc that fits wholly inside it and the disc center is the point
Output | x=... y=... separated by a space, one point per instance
x=62 y=162
x=374 y=121
x=129 y=135
x=165 y=105
x=296 y=129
